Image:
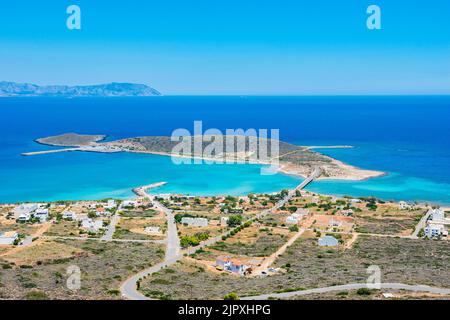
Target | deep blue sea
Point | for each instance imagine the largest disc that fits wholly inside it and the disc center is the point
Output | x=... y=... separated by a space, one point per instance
x=408 y=137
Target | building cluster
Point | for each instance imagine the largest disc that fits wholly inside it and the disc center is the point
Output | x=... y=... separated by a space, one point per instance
x=27 y=211
x=296 y=217
x=403 y=205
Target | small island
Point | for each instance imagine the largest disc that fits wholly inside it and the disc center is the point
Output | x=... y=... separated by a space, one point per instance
x=71 y=140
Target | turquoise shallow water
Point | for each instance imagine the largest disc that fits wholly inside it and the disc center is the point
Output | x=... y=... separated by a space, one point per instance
x=391 y=187
x=412 y=173
x=84 y=176
x=408 y=137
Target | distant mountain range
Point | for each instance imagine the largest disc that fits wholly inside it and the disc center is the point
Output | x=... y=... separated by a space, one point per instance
x=114 y=89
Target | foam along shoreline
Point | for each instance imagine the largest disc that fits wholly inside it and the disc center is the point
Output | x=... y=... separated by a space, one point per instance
x=290 y=162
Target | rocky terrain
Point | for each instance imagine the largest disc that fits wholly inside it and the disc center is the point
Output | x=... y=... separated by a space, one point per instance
x=71 y=140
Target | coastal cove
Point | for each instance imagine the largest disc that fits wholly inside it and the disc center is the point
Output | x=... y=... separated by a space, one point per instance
x=404 y=136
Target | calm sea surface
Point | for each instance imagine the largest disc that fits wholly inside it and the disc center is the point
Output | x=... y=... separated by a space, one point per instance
x=408 y=137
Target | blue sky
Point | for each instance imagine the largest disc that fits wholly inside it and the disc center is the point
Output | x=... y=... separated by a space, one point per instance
x=238 y=47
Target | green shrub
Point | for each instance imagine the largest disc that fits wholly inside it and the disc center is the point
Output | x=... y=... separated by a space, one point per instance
x=36 y=295
x=364 y=292
x=231 y=296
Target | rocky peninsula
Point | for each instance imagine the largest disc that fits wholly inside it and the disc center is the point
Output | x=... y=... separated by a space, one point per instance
x=291 y=159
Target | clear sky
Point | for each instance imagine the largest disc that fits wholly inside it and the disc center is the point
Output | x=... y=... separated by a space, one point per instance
x=270 y=47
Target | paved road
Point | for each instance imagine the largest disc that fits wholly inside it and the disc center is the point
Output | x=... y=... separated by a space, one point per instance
x=129 y=288
x=173 y=250
x=352 y=286
x=173 y=241
x=27 y=241
x=422 y=223
x=108 y=236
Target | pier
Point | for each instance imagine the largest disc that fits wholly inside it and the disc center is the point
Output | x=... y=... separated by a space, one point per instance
x=91 y=148
x=36 y=153
x=141 y=191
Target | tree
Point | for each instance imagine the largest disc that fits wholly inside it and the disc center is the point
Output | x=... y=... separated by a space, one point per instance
x=292 y=209
x=234 y=220
x=293 y=228
x=421 y=233
x=364 y=292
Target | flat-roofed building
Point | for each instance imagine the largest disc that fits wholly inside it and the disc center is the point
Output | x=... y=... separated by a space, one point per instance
x=8 y=238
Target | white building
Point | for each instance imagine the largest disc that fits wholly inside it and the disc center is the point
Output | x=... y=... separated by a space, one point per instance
x=24 y=217
x=91 y=225
x=437 y=215
x=41 y=214
x=292 y=219
x=195 y=222
x=111 y=204
x=402 y=205
x=8 y=238
x=153 y=229
x=26 y=208
x=69 y=215
x=435 y=230
x=128 y=204
x=328 y=241
x=232 y=265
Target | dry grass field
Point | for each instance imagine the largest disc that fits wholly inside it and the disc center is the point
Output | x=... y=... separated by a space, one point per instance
x=64 y=229
x=309 y=266
x=134 y=228
x=103 y=265
x=45 y=251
